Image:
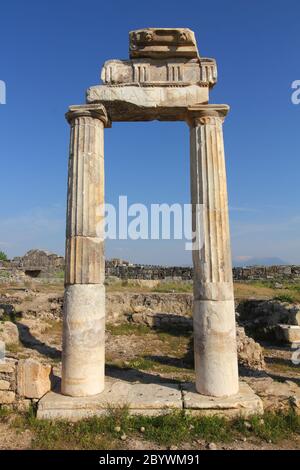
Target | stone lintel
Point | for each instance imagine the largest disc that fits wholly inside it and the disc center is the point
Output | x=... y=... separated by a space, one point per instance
x=96 y=111
x=162 y=42
x=149 y=399
x=136 y=103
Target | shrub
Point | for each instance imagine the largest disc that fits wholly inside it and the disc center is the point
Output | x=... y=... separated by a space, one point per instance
x=3 y=256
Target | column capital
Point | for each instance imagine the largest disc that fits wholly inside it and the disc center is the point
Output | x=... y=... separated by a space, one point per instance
x=206 y=113
x=95 y=111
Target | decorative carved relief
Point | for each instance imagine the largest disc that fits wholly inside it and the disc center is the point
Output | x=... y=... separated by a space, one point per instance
x=162 y=42
x=160 y=72
x=141 y=72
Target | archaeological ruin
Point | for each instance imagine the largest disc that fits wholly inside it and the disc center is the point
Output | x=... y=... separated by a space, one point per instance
x=41 y=264
x=164 y=79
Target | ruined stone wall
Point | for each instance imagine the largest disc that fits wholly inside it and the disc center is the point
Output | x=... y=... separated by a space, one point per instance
x=39 y=261
x=186 y=273
x=48 y=264
x=148 y=272
x=266 y=272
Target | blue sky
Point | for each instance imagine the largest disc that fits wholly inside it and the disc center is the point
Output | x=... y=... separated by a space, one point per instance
x=51 y=51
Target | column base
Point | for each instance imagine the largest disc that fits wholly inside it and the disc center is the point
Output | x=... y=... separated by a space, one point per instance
x=244 y=403
x=216 y=364
x=83 y=357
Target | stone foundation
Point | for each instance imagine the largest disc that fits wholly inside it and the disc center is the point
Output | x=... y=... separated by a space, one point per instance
x=150 y=399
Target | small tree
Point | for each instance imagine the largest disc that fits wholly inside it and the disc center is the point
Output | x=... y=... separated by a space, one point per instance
x=3 y=256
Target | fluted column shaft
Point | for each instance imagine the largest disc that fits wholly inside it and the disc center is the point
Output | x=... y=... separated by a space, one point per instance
x=214 y=314
x=84 y=302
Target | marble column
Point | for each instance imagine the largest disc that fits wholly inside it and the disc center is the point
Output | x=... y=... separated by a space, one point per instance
x=215 y=347
x=83 y=357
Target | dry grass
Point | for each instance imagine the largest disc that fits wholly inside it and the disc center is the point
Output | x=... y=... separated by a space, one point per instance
x=262 y=290
x=265 y=290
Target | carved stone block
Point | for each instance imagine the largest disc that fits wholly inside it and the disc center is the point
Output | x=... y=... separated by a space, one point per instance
x=162 y=42
x=177 y=71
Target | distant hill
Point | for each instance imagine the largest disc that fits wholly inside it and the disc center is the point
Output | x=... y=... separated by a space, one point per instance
x=259 y=262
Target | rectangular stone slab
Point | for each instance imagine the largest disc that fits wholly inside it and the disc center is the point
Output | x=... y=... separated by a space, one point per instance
x=245 y=403
x=162 y=42
x=289 y=334
x=143 y=103
x=146 y=399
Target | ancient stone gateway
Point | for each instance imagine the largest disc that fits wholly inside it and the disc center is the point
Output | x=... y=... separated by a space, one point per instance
x=164 y=79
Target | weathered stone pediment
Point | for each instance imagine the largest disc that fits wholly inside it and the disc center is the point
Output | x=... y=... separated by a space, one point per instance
x=162 y=79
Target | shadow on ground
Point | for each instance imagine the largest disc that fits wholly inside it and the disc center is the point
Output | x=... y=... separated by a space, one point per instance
x=31 y=342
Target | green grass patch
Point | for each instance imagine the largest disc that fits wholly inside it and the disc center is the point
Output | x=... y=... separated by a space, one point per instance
x=176 y=428
x=8 y=313
x=54 y=327
x=4 y=413
x=169 y=334
x=128 y=329
x=286 y=298
x=147 y=363
x=272 y=426
x=142 y=363
x=4 y=274
x=60 y=275
x=282 y=366
x=289 y=291
x=94 y=433
x=3 y=256
x=14 y=348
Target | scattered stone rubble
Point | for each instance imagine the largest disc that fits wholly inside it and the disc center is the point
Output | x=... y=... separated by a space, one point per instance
x=250 y=353
x=277 y=395
x=261 y=318
x=22 y=382
x=9 y=333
